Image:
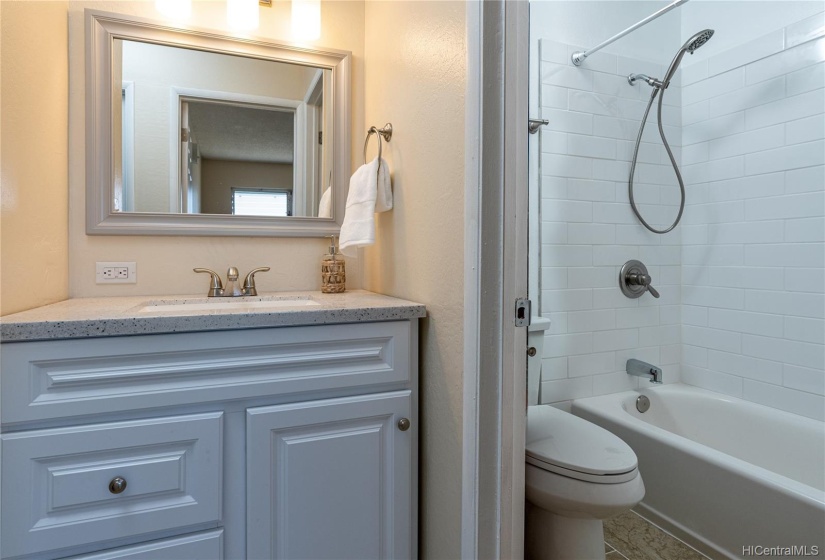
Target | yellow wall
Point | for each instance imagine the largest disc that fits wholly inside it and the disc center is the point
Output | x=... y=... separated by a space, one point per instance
x=46 y=255
x=33 y=164
x=165 y=263
x=416 y=79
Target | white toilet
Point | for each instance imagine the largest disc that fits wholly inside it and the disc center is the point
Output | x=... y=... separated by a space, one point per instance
x=577 y=474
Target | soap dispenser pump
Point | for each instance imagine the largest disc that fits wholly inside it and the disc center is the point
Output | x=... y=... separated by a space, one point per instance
x=333 y=271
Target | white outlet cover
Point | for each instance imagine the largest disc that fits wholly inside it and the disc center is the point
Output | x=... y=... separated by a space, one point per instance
x=131 y=277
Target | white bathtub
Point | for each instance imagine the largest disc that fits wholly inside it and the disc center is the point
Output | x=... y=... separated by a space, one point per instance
x=722 y=473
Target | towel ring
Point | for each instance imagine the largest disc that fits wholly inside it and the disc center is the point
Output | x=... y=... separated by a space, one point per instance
x=385 y=132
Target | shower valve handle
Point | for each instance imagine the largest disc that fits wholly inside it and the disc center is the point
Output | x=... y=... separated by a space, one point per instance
x=642 y=280
x=634 y=280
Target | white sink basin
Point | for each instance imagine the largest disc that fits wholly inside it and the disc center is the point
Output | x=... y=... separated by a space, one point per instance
x=224 y=304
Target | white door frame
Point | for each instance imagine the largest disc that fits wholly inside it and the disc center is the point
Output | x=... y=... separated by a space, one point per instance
x=313 y=122
x=496 y=271
x=270 y=103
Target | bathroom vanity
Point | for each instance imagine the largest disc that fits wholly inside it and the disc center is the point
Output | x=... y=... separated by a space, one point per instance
x=270 y=432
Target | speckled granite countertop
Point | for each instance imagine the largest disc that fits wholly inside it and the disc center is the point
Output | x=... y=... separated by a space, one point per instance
x=120 y=316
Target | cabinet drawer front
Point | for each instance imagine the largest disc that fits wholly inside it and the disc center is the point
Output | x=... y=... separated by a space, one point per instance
x=59 y=486
x=53 y=379
x=200 y=546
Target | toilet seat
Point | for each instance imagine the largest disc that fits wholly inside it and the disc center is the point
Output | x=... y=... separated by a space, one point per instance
x=565 y=444
x=585 y=477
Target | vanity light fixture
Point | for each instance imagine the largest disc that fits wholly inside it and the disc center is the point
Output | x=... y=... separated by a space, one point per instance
x=242 y=15
x=174 y=9
x=306 y=19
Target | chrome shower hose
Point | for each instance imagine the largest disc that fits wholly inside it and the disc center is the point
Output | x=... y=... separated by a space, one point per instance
x=656 y=90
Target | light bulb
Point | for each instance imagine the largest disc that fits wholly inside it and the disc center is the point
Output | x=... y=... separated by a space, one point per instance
x=174 y=9
x=306 y=19
x=242 y=14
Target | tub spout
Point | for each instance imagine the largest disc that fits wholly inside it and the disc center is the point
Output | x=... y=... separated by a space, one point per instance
x=643 y=369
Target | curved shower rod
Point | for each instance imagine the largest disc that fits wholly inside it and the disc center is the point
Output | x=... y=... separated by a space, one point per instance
x=579 y=56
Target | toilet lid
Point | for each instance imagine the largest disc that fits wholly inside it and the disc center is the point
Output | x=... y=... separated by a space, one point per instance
x=555 y=437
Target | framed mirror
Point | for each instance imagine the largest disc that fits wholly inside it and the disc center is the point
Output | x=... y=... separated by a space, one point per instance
x=190 y=132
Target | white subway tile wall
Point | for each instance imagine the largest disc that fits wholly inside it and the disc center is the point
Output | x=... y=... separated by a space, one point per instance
x=588 y=230
x=753 y=309
x=743 y=277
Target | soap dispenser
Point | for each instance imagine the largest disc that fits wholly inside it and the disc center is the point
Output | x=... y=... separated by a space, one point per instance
x=333 y=271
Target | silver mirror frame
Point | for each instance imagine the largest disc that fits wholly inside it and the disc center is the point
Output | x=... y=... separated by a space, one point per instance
x=102 y=28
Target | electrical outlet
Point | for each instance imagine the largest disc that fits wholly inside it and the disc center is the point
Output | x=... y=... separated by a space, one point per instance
x=116 y=273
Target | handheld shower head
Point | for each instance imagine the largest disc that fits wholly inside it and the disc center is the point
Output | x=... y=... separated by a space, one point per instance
x=698 y=40
x=690 y=45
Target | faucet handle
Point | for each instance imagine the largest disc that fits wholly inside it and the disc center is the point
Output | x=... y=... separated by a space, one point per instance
x=642 y=280
x=216 y=287
x=249 y=282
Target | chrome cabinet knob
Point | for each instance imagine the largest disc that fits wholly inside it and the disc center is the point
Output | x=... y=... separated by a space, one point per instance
x=404 y=424
x=117 y=485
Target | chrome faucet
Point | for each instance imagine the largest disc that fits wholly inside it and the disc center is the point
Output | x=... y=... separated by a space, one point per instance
x=216 y=288
x=643 y=369
x=232 y=289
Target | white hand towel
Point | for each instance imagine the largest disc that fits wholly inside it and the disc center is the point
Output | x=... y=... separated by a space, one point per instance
x=370 y=191
x=325 y=204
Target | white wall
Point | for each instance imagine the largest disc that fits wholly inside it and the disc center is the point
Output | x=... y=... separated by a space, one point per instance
x=588 y=231
x=586 y=23
x=753 y=254
x=752 y=316
x=739 y=21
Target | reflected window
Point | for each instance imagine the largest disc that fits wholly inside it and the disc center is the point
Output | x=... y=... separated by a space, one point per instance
x=261 y=202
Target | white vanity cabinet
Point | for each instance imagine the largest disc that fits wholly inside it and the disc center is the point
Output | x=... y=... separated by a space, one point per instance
x=288 y=442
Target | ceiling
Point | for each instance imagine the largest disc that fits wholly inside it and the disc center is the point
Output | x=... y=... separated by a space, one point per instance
x=242 y=133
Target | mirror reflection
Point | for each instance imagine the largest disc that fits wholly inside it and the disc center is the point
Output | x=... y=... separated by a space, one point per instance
x=211 y=133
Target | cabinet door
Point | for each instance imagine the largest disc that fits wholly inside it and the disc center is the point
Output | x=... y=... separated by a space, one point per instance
x=331 y=479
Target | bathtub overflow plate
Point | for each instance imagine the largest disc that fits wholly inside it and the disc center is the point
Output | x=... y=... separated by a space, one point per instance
x=642 y=403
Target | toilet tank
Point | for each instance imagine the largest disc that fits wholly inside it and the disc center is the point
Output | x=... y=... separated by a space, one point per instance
x=535 y=339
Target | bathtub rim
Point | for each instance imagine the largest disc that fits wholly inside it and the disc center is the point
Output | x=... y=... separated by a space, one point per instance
x=810 y=494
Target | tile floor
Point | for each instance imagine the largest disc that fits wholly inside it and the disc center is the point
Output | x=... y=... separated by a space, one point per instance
x=631 y=537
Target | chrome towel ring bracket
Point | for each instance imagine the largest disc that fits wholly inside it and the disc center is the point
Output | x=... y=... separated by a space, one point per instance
x=385 y=132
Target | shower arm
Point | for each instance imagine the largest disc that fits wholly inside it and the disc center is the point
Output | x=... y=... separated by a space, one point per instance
x=579 y=56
